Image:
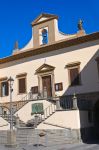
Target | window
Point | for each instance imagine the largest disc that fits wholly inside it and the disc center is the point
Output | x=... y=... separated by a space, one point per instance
x=34 y=90
x=74 y=75
x=22 y=85
x=4 y=88
x=58 y=87
x=44 y=36
x=21 y=82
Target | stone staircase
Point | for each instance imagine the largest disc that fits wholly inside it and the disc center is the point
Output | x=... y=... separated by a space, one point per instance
x=23 y=101
x=30 y=97
x=17 y=105
x=8 y=119
x=39 y=118
x=30 y=136
x=44 y=137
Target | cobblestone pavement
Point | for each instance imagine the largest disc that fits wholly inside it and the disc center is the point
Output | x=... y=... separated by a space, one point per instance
x=76 y=146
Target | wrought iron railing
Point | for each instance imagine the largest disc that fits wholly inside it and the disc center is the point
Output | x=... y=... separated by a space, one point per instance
x=66 y=102
x=24 y=100
x=31 y=97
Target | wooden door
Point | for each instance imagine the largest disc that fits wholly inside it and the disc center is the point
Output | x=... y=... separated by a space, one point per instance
x=46 y=84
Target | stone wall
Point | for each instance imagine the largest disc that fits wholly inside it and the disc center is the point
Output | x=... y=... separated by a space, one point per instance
x=42 y=137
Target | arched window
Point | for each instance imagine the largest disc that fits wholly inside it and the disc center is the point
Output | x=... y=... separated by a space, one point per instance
x=44 y=36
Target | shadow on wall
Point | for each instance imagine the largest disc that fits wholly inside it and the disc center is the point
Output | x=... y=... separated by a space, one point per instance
x=88 y=103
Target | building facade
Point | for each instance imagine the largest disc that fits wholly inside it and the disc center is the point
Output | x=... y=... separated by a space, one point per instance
x=54 y=65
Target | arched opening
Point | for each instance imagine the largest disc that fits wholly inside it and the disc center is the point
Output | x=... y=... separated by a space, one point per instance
x=44 y=36
x=96 y=118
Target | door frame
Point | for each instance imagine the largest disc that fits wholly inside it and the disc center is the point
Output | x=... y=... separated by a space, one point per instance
x=45 y=94
x=40 y=86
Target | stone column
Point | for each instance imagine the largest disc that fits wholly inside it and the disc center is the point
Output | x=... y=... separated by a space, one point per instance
x=17 y=121
x=52 y=83
x=58 y=104
x=75 y=102
x=11 y=139
x=38 y=85
x=36 y=120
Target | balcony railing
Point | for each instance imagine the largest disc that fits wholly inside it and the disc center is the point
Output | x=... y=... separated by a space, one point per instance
x=67 y=102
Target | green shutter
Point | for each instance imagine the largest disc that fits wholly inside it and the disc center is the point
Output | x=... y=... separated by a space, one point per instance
x=37 y=108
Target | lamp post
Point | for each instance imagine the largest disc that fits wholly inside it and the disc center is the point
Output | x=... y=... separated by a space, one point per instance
x=10 y=80
x=11 y=134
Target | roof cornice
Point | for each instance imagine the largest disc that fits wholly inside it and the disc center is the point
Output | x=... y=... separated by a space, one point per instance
x=52 y=47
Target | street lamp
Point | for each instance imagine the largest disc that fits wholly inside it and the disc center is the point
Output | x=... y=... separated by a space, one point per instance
x=10 y=81
x=11 y=134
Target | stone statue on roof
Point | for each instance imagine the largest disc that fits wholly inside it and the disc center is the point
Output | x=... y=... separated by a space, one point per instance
x=16 y=45
x=80 y=25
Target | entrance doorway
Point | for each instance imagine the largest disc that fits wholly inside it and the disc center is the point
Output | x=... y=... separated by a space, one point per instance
x=46 y=86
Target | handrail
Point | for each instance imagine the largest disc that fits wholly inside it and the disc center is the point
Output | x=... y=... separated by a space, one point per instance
x=30 y=95
x=49 y=110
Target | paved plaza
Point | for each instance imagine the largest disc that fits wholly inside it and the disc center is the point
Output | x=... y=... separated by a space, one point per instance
x=75 y=146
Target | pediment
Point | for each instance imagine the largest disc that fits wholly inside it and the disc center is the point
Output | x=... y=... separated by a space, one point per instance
x=44 y=68
x=43 y=17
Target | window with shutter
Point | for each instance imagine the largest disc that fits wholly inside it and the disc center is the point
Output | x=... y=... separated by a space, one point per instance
x=34 y=89
x=58 y=87
x=22 y=85
x=73 y=72
x=74 y=76
x=4 y=88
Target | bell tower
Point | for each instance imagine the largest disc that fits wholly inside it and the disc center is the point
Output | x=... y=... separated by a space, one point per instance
x=44 y=30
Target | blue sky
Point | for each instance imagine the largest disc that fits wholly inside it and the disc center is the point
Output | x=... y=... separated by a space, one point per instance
x=16 y=16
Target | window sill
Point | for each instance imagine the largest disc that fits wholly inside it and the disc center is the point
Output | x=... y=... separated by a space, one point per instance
x=58 y=90
x=4 y=96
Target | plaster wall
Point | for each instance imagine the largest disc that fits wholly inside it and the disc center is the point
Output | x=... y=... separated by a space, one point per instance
x=84 y=53
x=4 y=125
x=65 y=119
x=73 y=119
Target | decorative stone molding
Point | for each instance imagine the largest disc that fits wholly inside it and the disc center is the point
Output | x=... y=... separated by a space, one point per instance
x=21 y=75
